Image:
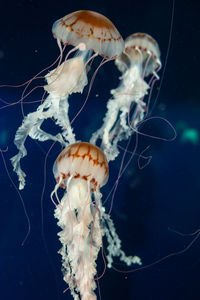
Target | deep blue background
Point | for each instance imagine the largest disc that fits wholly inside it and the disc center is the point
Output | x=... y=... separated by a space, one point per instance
x=149 y=202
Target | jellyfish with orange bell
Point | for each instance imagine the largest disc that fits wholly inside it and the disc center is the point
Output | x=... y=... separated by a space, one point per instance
x=82 y=169
x=128 y=106
x=86 y=31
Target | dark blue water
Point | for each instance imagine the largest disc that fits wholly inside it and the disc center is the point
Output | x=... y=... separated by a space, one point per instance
x=150 y=204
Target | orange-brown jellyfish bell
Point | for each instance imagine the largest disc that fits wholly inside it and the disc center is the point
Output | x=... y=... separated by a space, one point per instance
x=143 y=49
x=83 y=161
x=92 y=29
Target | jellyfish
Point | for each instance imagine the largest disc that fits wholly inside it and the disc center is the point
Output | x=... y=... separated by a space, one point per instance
x=140 y=59
x=86 y=31
x=82 y=169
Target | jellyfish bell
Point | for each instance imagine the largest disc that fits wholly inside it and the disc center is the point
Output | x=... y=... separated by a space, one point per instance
x=92 y=29
x=82 y=161
x=141 y=49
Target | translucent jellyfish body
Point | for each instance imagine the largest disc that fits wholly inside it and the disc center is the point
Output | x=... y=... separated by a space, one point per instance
x=127 y=107
x=82 y=169
x=86 y=31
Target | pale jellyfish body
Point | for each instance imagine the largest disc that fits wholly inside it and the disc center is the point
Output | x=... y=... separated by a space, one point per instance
x=70 y=77
x=62 y=82
x=86 y=31
x=82 y=169
x=140 y=59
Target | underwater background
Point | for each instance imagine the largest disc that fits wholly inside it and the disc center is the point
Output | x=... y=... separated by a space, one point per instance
x=152 y=205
